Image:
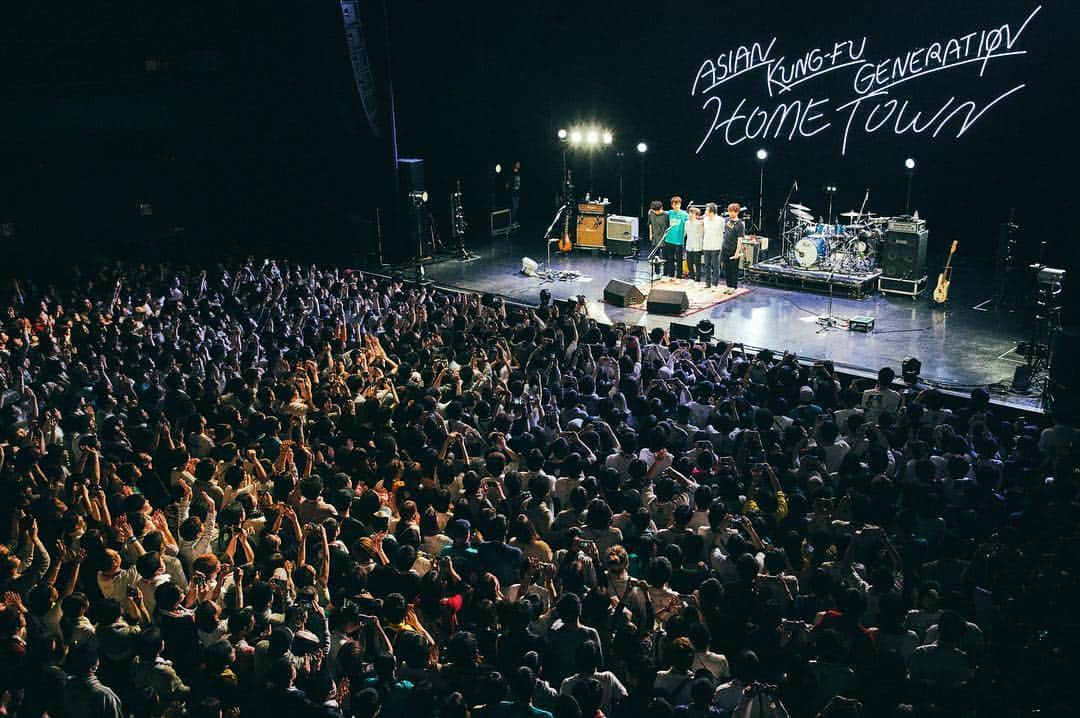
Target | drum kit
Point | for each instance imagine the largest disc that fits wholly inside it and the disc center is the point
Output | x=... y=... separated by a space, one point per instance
x=849 y=247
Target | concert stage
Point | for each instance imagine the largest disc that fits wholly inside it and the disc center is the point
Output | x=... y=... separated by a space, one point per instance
x=847 y=284
x=959 y=347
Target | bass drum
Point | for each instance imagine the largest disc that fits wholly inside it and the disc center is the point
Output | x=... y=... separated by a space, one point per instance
x=864 y=245
x=810 y=251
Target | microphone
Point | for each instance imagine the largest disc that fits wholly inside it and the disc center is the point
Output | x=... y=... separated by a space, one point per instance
x=796 y=185
x=867 y=197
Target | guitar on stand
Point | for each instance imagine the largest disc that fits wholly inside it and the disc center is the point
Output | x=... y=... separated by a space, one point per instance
x=565 y=245
x=941 y=291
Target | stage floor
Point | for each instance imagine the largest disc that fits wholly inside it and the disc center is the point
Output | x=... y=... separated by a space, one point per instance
x=959 y=347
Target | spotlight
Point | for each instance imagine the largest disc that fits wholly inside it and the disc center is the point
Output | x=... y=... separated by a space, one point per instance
x=762 y=154
x=418 y=198
x=498 y=168
x=608 y=138
x=575 y=137
x=562 y=134
x=642 y=147
x=830 y=188
x=592 y=137
x=909 y=163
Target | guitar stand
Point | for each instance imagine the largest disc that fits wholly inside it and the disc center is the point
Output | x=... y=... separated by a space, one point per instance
x=549 y=274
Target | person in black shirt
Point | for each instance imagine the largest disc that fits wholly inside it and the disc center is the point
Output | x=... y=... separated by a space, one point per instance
x=734 y=230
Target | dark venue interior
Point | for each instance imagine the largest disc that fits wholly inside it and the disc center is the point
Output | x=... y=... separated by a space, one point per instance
x=550 y=360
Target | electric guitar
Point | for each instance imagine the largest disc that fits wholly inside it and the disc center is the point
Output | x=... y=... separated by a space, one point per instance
x=565 y=245
x=941 y=291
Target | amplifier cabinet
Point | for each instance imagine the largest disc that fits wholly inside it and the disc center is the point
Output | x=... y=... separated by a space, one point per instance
x=590 y=231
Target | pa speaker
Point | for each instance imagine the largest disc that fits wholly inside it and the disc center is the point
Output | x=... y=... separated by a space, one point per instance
x=903 y=255
x=668 y=301
x=1063 y=390
x=622 y=294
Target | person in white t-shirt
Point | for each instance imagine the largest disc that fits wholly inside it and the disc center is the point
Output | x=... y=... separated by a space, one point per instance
x=882 y=398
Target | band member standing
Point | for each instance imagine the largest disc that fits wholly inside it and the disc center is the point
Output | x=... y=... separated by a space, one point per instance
x=712 y=243
x=734 y=230
x=695 y=233
x=658 y=223
x=676 y=238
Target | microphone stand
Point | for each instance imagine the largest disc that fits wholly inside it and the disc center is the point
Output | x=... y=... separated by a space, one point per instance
x=651 y=259
x=782 y=220
x=829 y=321
x=547 y=239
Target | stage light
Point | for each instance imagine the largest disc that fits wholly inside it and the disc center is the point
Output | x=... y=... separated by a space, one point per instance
x=762 y=154
x=642 y=147
x=562 y=134
x=418 y=198
x=830 y=188
x=575 y=137
x=608 y=138
x=592 y=137
x=909 y=163
x=498 y=169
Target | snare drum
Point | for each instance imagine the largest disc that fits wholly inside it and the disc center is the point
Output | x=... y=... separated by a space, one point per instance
x=811 y=250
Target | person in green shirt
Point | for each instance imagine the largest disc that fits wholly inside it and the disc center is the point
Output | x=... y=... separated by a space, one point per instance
x=675 y=239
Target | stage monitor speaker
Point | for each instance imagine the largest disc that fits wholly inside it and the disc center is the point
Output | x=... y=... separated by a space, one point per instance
x=529 y=266
x=622 y=294
x=683 y=332
x=667 y=301
x=903 y=254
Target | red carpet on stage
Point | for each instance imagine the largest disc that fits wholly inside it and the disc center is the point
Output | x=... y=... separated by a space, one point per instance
x=700 y=297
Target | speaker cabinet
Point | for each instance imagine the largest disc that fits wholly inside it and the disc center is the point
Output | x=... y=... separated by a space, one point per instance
x=590 y=231
x=667 y=301
x=903 y=254
x=622 y=294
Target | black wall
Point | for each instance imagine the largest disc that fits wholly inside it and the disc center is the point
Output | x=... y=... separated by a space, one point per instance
x=254 y=138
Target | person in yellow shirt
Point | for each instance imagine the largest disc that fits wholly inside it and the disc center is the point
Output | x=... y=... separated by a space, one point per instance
x=773 y=502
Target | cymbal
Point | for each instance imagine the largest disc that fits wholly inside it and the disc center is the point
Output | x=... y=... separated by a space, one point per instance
x=803 y=207
x=852 y=214
x=803 y=217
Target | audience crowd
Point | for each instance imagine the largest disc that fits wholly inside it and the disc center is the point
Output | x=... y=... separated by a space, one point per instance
x=273 y=490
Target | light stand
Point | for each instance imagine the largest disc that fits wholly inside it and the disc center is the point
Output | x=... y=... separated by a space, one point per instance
x=830 y=191
x=619 y=155
x=909 y=166
x=761 y=155
x=418 y=200
x=643 y=220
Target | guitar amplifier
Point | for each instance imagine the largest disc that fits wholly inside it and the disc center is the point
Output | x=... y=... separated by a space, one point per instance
x=620 y=227
x=903 y=254
x=590 y=231
x=592 y=208
x=621 y=235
